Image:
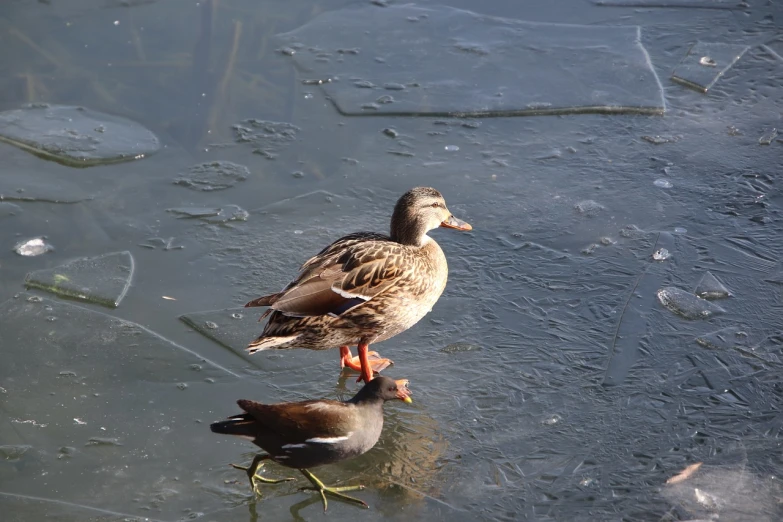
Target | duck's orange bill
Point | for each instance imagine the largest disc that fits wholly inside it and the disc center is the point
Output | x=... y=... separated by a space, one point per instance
x=458 y=224
x=403 y=393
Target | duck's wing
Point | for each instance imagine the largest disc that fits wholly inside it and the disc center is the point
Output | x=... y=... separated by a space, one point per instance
x=299 y=422
x=346 y=274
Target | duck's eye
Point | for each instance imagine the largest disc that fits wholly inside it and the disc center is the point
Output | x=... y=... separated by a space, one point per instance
x=435 y=205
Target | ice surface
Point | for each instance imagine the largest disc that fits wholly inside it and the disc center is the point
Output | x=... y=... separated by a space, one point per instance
x=704 y=4
x=730 y=492
x=212 y=215
x=269 y=136
x=632 y=321
x=444 y=61
x=9 y=209
x=215 y=175
x=103 y=280
x=589 y=208
x=76 y=136
x=686 y=304
x=725 y=339
x=709 y=287
x=234 y=328
x=705 y=63
x=95 y=387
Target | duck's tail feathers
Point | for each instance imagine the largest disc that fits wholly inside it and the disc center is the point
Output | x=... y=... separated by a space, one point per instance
x=240 y=425
x=267 y=343
x=266 y=300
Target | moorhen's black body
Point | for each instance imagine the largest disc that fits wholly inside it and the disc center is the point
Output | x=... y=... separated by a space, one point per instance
x=311 y=433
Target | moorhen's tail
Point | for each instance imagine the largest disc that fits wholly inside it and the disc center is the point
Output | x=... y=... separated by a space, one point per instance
x=240 y=425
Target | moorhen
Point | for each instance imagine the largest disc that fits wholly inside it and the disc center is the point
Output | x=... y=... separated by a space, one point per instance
x=311 y=433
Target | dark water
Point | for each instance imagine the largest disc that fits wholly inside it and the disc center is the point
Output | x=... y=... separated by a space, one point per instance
x=550 y=383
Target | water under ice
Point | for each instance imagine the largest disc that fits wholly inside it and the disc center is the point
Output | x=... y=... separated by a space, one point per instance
x=76 y=136
x=214 y=175
x=705 y=63
x=686 y=304
x=104 y=279
x=444 y=61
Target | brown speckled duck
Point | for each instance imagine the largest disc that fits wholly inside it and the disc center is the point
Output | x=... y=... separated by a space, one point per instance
x=307 y=434
x=365 y=287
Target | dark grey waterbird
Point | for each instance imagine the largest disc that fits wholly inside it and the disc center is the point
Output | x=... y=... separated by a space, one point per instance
x=312 y=433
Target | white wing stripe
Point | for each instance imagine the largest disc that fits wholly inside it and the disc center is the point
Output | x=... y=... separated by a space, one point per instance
x=329 y=440
x=348 y=295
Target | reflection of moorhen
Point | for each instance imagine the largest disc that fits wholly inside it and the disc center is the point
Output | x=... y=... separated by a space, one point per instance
x=312 y=433
x=364 y=287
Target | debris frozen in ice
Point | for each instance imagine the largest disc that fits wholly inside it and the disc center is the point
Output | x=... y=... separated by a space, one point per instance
x=659 y=140
x=212 y=215
x=14 y=451
x=661 y=254
x=710 y=288
x=632 y=232
x=32 y=247
x=589 y=208
x=76 y=136
x=663 y=183
x=692 y=73
x=215 y=175
x=769 y=137
x=460 y=347
x=165 y=243
x=686 y=304
x=103 y=280
x=685 y=474
x=475 y=65
x=269 y=137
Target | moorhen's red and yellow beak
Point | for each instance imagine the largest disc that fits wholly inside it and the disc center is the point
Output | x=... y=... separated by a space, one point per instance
x=403 y=393
x=456 y=223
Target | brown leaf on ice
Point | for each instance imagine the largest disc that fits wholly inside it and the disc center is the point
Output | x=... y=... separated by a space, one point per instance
x=684 y=474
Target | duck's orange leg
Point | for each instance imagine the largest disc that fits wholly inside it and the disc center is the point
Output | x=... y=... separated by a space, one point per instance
x=375 y=362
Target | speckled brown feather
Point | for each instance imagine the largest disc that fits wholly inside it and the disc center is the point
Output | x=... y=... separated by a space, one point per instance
x=365 y=287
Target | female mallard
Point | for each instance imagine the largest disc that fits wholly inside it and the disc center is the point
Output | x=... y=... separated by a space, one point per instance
x=365 y=287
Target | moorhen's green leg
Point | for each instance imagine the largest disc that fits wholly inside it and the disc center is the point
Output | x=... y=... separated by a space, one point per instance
x=336 y=491
x=252 y=473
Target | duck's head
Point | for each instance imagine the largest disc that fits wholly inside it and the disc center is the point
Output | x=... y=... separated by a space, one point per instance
x=418 y=211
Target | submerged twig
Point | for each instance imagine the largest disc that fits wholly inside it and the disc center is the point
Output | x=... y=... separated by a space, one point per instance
x=220 y=98
x=37 y=48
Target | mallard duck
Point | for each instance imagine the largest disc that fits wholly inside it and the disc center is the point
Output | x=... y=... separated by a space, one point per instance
x=307 y=434
x=365 y=287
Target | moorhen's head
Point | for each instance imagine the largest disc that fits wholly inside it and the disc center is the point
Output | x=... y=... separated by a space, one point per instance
x=418 y=211
x=386 y=389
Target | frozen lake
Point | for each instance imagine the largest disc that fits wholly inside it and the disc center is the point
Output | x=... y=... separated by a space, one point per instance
x=614 y=317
